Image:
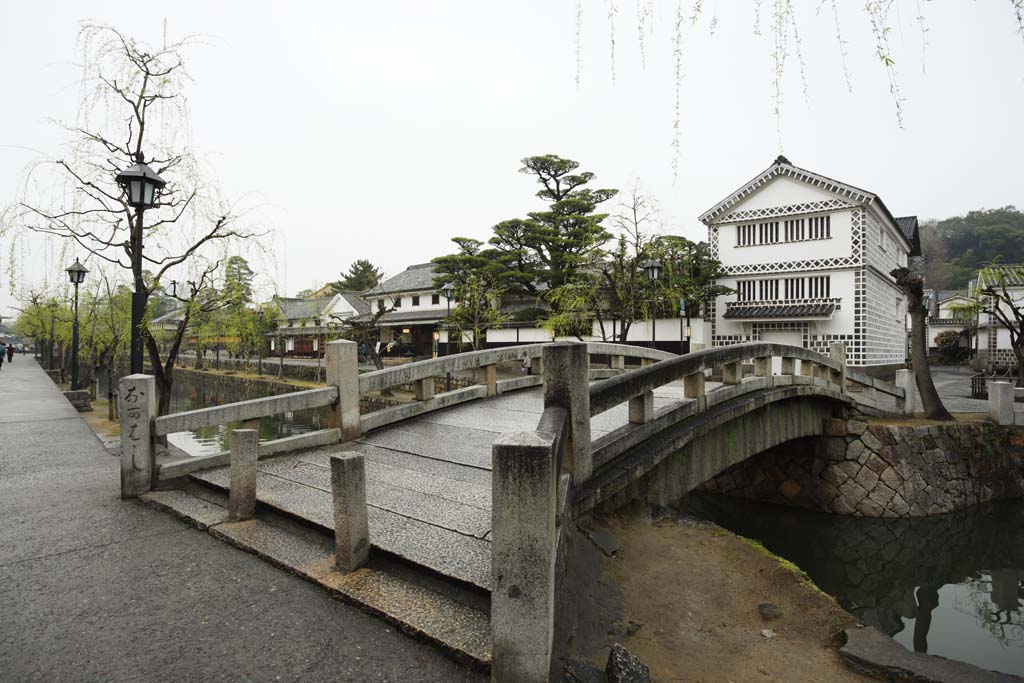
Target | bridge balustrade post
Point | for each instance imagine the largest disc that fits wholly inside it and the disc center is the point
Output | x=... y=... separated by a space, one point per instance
x=537 y=365
x=837 y=352
x=424 y=389
x=807 y=369
x=523 y=546
x=732 y=373
x=343 y=373
x=788 y=366
x=693 y=387
x=906 y=380
x=567 y=384
x=491 y=379
x=136 y=407
x=351 y=525
x=763 y=366
x=242 y=474
x=617 y=362
x=641 y=408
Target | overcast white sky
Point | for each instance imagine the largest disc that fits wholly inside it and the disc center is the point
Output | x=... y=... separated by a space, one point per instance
x=380 y=130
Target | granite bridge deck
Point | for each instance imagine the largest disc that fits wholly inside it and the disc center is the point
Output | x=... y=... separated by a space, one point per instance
x=428 y=486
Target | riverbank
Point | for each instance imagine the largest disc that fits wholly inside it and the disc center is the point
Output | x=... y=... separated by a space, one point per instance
x=698 y=603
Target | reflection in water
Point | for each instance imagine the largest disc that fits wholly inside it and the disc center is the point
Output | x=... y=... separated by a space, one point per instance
x=189 y=395
x=951 y=585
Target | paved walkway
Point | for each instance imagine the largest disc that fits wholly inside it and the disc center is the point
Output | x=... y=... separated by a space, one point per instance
x=954 y=387
x=93 y=588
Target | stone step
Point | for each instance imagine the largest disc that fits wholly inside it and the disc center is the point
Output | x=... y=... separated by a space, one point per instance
x=407 y=534
x=451 y=616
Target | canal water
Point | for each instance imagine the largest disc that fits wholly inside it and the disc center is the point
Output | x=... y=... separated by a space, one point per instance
x=189 y=394
x=951 y=585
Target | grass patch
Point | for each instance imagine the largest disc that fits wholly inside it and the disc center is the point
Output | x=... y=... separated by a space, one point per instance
x=782 y=562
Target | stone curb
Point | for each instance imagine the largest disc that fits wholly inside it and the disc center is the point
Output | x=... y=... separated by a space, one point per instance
x=459 y=629
x=871 y=652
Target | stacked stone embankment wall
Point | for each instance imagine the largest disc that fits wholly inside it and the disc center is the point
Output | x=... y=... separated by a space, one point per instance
x=866 y=469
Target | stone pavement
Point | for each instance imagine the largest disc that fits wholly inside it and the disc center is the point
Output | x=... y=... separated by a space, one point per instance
x=954 y=386
x=93 y=588
x=428 y=479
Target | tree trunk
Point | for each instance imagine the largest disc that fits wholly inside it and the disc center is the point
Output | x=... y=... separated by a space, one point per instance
x=933 y=406
x=110 y=390
x=912 y=285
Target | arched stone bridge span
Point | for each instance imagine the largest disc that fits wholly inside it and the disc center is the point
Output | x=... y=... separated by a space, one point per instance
x=480 y=483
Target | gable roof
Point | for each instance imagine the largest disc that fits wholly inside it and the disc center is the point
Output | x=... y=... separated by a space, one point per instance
x=910 y=228
x=1010 y=274
x=783 y=167
x=417 y=278
x=293 y=308
x=355 y=301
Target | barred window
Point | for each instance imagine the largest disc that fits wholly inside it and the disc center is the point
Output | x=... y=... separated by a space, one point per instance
x=789 y=230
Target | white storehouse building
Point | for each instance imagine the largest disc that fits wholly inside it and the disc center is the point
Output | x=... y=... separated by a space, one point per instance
x=809 y=259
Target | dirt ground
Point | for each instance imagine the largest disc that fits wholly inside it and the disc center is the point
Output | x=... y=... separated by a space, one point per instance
x=683 y=596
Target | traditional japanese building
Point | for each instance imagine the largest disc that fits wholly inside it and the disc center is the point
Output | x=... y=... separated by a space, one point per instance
x=993 y=340
x=305 y=324
x=810 y=259
x=412 y=328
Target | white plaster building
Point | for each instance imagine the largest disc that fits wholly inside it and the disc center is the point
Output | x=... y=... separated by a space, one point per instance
x=809 y=259
x=306 y=324
x=993 y=338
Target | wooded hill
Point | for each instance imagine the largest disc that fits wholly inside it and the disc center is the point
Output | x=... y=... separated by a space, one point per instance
x=956 y=247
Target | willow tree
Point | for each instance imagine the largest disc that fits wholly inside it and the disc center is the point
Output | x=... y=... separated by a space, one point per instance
x=132 y=105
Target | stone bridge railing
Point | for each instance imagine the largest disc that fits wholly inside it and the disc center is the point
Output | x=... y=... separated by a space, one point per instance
x=539 y=477
x=140 y=428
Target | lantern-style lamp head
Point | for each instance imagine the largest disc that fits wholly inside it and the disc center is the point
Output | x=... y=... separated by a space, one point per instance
x=652 y=267
x=448 y=290
x=141 y=184
x=76 y=272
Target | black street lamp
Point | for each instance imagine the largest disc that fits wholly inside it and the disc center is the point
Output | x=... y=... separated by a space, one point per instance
x=448 y=291
x=141 y=186
x=652 y=267
x=259 y=345
x=76 y=273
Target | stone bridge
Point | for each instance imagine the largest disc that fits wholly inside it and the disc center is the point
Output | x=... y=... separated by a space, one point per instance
x=479 y=485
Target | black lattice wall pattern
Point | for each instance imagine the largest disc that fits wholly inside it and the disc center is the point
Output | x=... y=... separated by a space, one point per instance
x=856 y=257
x=884 y=330
x=788 y=210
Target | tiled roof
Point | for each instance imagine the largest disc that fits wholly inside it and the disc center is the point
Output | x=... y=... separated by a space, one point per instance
x=1012 y=275
x=297 y=309
x=416 y=278
x=908 y=225
x=819 y=310
x=947 y=294
x=398 y=317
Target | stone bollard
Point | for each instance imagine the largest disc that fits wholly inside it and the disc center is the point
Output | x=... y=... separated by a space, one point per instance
x=136 y=405
x=242 y=474
x=523 y=509
x=906 y=380
x=351 y=525
x=1000 y=402
x=343 y=373
x=567 y=384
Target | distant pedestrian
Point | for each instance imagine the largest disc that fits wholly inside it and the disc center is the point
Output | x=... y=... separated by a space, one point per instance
x=1 y=361
x=10 y=353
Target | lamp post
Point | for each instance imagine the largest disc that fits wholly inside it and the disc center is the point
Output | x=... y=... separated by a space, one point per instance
x=448 y=290
x=141 y=186
x=259 y=345
x=652 y=268
x=76 y=273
